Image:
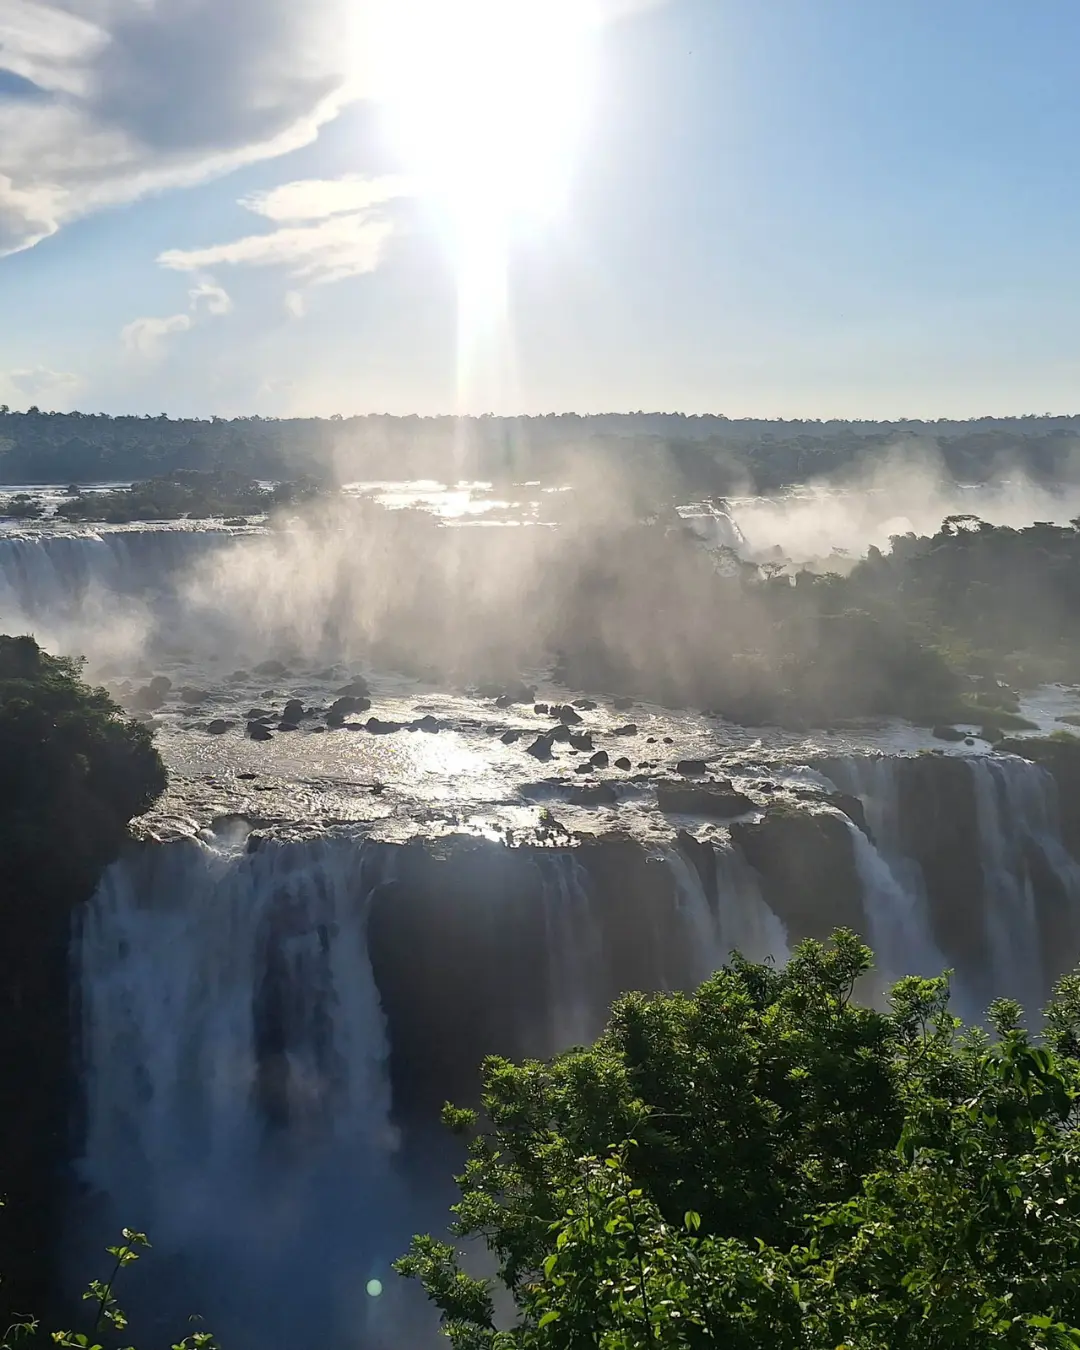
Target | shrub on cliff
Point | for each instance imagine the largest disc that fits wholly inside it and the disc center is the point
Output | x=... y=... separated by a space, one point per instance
x=73 y=770
x=766 y=1165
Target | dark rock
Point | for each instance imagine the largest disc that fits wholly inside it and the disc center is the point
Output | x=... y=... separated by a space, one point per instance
x=718 y=801
x=668 y=740
x=691 y=768
x=247 y=777
x=238 y=676
x=190 y=695
x=568 y=717
x=560 y=733
x=503 y=701
x=335 y=719
x=356 y=688
x=623 y=763
x=378 y=728
x=593 y=794
x=650 y=740
x=317 y=730
x=511 y=737
x=540 y=748
x=257 y=732
x=294 y=711
x=585 y=704
x=426 y=723
x=944 y=733
x=161 y=684
x=218 y=727
x=146 y=699
x=271 y=668
x=350 y=703
x=600 y=760
x=288 y=726
x=587 y=767
x=541 y=709
x=969 y=740
x=581 y=741
x=621 y=702
x=258 y=714
x=629 y=730
x=806 y=861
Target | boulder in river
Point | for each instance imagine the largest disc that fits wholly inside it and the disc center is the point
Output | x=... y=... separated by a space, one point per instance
x=379 y=728
x=350 y=703
x=719 y=801
x=257 y=732
x=585 y=704
x=426 y=723
x=509 y=737
x=599 y=760
x=946 y=733
x=621 y=702
x=294 y=711
x=271 y=668
x=568 y=717
x=540 y=748
x=581 y=740
x=691 y=768
x=218 y=727
x=629 y=730
x=623 y=763
x=356 y=688
x=191 y=695
x=541 y=709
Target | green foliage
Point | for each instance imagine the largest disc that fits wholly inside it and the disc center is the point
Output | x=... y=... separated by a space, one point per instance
x=187 y=493
x=768 y=1166
x=73 y=770
x=109 y=1316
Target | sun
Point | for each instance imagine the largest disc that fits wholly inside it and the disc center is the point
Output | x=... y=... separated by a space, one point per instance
x=484 y=104
x=484 y=99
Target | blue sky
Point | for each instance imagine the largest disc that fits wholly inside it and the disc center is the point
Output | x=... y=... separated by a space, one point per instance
x=799 y=208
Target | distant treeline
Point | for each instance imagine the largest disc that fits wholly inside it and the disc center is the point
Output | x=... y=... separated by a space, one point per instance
x=705 y=454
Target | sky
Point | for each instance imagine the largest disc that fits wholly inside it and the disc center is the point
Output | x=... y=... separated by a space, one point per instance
x=806 y=208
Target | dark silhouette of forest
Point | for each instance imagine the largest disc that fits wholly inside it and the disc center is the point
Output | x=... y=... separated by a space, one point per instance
x=704 y=453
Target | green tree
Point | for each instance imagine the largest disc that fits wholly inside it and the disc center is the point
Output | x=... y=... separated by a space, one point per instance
x=767 y=1164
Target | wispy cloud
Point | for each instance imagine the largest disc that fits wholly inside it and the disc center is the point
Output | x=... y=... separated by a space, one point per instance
x=344 y=233
x=146 y=336
x=53 y=390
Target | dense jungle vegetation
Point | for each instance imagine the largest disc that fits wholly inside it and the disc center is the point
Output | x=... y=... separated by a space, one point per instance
x=73 y=773
x=766 y=1165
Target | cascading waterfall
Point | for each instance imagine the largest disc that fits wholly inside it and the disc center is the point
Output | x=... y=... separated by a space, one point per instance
x=1018 y=838
x=739 y=920
x=575 y=951
x=1016 y=806
x=236 y=1090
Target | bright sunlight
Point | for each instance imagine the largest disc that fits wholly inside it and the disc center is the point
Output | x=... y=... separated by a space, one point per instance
x=484 y=102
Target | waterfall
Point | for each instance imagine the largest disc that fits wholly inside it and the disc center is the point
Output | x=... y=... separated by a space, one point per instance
x=575 y=952
x=1020 y=837
x=738 y=920
x=1028 y=883
x=237 y=1102
x=99 y=593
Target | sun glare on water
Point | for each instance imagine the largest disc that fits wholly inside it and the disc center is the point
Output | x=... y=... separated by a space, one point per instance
x=484 y=103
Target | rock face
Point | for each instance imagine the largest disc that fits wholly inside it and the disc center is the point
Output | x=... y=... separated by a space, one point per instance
x=807 y=866
x=718 y=801
x=939 y=828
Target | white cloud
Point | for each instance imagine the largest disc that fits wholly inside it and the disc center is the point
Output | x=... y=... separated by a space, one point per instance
x=348 y=236
x=146 y=337
x=126 y=96
x=53 y=390
x=295 y=304
x=316 y=198
x=214 y=298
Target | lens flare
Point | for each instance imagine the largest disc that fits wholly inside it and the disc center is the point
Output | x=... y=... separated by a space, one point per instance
x=484 y=103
